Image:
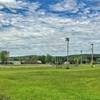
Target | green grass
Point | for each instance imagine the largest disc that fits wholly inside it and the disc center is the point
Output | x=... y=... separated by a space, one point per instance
x=49 y=83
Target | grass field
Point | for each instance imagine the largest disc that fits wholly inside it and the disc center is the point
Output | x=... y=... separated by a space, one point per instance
x=39 y=82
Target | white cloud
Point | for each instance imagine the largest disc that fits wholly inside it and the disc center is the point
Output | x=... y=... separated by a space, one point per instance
x=7 y=1
x=66 y=5
x=10 y=3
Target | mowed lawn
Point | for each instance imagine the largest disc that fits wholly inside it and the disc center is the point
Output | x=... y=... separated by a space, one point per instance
x=47 y=83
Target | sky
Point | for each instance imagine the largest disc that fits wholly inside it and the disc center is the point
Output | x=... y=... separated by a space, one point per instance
x=39 y=27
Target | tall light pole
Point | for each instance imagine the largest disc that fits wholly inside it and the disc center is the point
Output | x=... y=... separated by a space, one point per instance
x=81 y=56
x=67 y=40
x=92 y=54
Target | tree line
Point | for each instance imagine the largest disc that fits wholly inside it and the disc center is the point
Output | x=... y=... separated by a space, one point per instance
x=47 y=59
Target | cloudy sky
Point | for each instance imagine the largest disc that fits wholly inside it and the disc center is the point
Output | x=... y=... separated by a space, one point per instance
x=40 y=26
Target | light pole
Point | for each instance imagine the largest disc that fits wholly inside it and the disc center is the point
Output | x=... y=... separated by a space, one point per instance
x=81 y=56
x=92 y=54
x=67 y=40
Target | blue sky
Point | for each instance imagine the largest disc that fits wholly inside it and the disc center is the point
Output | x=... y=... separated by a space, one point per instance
x=40 y=26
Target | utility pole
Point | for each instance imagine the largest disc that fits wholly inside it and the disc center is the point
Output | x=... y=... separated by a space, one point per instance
x=67 y=40
x=92 y=54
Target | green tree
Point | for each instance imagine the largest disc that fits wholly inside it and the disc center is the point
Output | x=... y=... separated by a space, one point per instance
x=4 y=57
x=48 y=58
